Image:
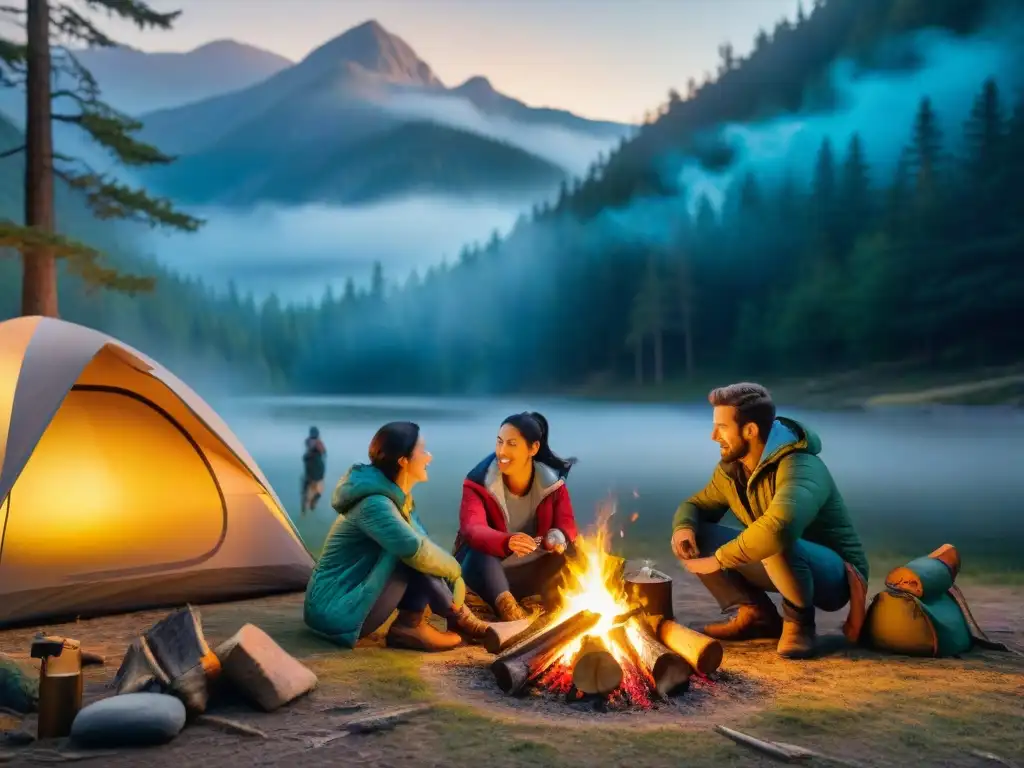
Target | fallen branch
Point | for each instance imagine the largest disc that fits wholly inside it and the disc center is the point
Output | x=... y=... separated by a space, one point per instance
x=230 y=726
x=993 y=758
x=787 y=754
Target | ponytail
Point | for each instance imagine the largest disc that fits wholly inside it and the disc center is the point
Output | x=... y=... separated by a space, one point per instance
x=534 y=429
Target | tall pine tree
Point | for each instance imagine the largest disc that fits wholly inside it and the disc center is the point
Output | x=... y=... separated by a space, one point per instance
x=34 y=64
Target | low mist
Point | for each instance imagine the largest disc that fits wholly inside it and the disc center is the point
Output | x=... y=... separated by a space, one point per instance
x=300 y=252
x=571 y=149
x=879 y=105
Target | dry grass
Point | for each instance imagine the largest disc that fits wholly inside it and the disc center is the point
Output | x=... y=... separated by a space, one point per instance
x=874 y=709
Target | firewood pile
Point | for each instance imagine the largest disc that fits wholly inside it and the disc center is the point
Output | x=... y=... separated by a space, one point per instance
x=173 y=657
x=632 y=660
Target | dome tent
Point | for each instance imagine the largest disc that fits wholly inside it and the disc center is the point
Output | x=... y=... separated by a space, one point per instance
x=121 y=489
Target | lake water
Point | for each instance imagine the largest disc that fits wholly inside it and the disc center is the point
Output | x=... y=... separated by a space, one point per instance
x=913 y=479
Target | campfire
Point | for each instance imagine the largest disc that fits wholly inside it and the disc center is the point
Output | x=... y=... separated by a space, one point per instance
x=612 y=638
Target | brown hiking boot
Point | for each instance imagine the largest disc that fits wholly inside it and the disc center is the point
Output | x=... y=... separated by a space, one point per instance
x=797 y=641
x=508 y=608
x=751 y=622
x=467 y=625
x=412 y=632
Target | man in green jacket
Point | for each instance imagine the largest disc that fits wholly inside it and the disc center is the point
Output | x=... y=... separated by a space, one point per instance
x=797 y=537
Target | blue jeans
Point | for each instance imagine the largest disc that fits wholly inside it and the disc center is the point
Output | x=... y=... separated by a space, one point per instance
x=409 y=590
x=488 y=576
x=807 y=575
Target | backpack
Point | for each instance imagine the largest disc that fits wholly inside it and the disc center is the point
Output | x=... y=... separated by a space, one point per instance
x=922 y=612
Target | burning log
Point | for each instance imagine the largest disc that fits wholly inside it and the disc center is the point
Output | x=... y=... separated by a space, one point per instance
x=501 y=635
x=596 y=671
x=518 y=642
x=669 y=670
x=514 y=670
x=701 y=652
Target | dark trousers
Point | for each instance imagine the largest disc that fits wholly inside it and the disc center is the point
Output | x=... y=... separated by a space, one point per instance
x=409 y=590
x=807 y=575
x=488 y=576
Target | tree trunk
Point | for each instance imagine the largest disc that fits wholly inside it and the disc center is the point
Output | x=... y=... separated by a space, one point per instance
x=659 y=356
x=639 y=358
x=688 y=331
x=39 y=280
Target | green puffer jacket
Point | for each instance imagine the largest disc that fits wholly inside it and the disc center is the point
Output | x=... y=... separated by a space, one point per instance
x=791 y=496
x=377 y=528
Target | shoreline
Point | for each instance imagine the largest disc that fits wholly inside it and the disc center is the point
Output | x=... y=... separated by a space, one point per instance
x=866 y=389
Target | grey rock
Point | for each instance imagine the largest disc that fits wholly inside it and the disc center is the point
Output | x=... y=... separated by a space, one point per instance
x=132 y=719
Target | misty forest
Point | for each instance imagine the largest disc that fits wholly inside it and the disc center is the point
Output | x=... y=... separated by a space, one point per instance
x=634 y=272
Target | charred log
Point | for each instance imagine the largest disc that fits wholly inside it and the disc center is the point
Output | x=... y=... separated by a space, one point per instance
x=669 y=670
x=514 y=670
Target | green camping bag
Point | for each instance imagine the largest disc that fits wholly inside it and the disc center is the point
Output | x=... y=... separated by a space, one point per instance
x=922 y=612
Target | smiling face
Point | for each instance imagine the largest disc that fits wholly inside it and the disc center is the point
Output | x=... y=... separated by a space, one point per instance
x=415 y=466
x=733 y=440
x=515 y=454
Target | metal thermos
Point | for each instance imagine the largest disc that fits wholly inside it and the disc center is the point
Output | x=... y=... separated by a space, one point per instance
x=60 y=684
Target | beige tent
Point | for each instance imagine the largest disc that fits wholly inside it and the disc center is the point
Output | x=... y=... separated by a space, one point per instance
x=120 y=489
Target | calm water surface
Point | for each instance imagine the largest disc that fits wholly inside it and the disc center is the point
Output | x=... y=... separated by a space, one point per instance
x=913 y=479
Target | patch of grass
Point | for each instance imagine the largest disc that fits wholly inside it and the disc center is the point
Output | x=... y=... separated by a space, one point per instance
x=464 y=735
x=377 y=673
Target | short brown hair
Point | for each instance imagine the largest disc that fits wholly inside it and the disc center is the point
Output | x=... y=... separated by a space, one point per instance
x=753 y=403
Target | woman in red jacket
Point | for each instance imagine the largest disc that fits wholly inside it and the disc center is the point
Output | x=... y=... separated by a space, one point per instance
x=516 y=520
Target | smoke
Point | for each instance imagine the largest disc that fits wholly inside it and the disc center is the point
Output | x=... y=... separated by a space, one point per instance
x=879 y=105
x=299 y=252
x=572 y=149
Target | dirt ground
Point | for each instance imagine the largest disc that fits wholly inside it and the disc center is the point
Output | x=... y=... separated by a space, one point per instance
x=851 y=704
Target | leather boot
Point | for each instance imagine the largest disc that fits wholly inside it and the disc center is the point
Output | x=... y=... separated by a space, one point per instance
x=412 y=632
x=798 y=632
x=467 y=625
x=755 y=621
x=508 y=608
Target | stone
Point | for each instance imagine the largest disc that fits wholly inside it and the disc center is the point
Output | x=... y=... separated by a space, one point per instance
x=129 y=720
x=262 y=671
x=19 y=685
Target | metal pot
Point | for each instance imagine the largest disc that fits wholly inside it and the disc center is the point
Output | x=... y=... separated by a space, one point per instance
x=650 y=589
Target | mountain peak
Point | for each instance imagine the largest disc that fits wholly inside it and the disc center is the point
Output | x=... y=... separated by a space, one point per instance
x=477 y=84
x=370 y=47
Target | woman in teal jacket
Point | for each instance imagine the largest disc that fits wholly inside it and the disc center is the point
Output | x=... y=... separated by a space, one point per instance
x=378 y=557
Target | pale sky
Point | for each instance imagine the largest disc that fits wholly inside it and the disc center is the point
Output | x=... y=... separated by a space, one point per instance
x=610 y=59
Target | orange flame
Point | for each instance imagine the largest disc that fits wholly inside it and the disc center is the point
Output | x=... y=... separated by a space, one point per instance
x=592 y=585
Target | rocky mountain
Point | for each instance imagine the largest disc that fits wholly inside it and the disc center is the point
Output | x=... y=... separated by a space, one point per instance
x=337 y=114
x=135 y=81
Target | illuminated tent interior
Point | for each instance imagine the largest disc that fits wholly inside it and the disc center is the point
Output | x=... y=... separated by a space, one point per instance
x=121 y=489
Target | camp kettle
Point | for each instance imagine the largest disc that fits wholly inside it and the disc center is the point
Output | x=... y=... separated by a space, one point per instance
x=60 y=684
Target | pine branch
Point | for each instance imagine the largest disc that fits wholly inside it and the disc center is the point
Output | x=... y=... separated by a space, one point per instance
x=12 y=57
x=136 y=11
x=70 y=25
x=12 y=152
x=109 y=199
x=82 y=260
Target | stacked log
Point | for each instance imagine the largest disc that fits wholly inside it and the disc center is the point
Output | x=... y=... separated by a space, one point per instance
x=595 y=670
x=527 y=660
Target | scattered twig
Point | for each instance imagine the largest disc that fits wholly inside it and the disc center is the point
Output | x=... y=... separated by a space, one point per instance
x=383 y=721
x=56 y=756
x=992 y=758
x=785 y=753
x=343 y=709
x=231 y=726
x=377 y=721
